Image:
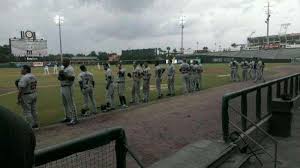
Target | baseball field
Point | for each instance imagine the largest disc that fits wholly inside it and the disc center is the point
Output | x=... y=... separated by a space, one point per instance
x=49 y=105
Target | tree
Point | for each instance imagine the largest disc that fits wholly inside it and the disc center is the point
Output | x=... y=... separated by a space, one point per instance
x=234 y=45
x=92 y=54
x=5 y=55
x=205 y=48
x=102 y=56
x=168 y=49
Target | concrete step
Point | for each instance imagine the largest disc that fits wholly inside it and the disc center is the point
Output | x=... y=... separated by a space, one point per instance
x=203 y=154
x=237 y=160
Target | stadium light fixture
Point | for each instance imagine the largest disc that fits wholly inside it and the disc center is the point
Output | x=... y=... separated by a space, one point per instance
x=182 y=22
x=59 y=20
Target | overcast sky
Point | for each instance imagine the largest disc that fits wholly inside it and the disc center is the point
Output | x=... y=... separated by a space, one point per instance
x=113 y=25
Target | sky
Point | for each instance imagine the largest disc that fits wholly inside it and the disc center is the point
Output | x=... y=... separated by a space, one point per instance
x=115 y=25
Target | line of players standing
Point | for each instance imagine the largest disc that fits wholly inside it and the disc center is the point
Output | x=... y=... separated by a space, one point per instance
x=250 y=70
x=27 y=96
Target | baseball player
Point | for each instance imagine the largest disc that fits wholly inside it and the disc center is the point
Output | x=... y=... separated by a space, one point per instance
x=250 y=69
x=87 y=85
x=254 y=69
x=184 y=69
x=190 y=77
x=46 y=70
x=62 y=67
x=121 y=85
x=197 y=75
x=260 y=71
x=109 y=87
x=27 y=95
x=146 y=82
x=136 y=76
x=158 y=78
x=67 y=78
x=171 y=78
x=98 y=66
x=55 y=69
x=234 y=70
x=245 y=68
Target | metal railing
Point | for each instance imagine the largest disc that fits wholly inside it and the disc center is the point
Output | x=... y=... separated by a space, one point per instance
x=107 y=148
x=242 y=110
x=275 y=88
x=254 y=141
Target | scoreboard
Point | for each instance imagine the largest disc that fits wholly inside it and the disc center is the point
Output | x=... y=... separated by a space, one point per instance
x=28 y=45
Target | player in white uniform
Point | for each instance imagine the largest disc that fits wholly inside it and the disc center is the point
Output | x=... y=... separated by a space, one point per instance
x=27 y=95
x=55 y=69
x=171 y=78
x=109 y=87
x=87 y=84
x=46 y=70
x=67 y=78
x=98 y=66
x=184 y=69
x=158 y=78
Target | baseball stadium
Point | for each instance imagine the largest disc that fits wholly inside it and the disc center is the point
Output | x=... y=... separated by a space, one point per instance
x=145 y=106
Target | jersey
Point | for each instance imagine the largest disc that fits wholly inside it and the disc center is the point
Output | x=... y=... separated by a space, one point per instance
x=68 y=72
x=108 y=76
x=245 y=65
x=233 y=65
x=121 y=75
x=28 y=83
x=197 y=69
x=146 y=73
x=260 y=65
x=158 y=71
x=171 y=70
x=87 y=79
x=137 y=73
x=184 y=68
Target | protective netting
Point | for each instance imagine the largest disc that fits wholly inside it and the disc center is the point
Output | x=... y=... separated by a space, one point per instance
x=101 y=157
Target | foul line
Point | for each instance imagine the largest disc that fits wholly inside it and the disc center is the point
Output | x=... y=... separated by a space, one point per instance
x=12 y=92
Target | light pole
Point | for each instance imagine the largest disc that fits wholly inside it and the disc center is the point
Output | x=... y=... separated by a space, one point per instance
x=59 y=20
x=182 y=21
x=197 y=45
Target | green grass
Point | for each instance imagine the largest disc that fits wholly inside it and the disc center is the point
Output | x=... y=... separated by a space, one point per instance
x=50 y=109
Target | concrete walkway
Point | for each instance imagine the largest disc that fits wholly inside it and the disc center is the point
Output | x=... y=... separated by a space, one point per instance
x=159 y=129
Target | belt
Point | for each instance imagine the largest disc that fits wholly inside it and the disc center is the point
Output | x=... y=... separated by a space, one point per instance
x=121 y=82
x=28 y=93
x=66 y=85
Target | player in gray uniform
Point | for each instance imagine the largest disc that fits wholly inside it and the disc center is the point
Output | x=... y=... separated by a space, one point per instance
x=260 y=71
x=171 y=78
x=109 y=87
x=158 y=78
x=245 y=68
x=136 y=77
x=250 y=69
x=234 y=71
x=184 y=69
x=121 y=86
x=191 y=79
x=146 y=82
x=87 y=84
x=67 y=78
x=197 y=75
x=27 y=95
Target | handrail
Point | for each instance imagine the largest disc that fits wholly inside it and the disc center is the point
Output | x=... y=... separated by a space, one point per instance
x=294 y=91
x=254 y=88
x=263 y=131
